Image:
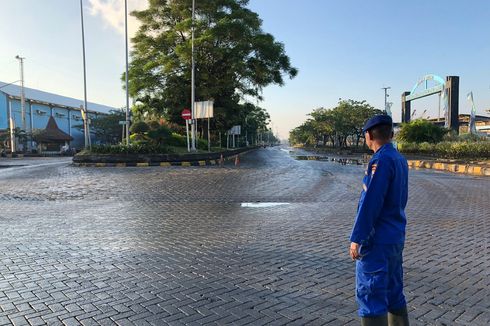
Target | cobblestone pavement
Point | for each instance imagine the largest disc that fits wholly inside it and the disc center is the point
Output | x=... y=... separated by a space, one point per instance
x=157 y=246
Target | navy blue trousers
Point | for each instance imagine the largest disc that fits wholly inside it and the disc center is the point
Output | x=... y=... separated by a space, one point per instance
x=379 y=279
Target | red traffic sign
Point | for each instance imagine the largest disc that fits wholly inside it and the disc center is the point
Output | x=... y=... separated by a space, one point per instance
x=186 y=114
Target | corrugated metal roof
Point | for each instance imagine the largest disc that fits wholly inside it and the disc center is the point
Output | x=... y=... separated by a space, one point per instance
x=50 y=98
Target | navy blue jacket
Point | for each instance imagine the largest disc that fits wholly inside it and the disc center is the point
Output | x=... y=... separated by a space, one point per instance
x=381 y=212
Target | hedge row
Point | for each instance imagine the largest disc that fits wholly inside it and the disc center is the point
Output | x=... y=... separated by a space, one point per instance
x=142 y=146
x=470 y=150
x=133 y=148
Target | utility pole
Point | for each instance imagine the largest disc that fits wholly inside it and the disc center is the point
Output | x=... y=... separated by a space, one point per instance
x=22 y=92
x=387 y=111
x=193 y=80
x=85 y=108
x=127 y=70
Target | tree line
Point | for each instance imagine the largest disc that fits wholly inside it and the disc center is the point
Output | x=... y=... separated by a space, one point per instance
x=340 y=126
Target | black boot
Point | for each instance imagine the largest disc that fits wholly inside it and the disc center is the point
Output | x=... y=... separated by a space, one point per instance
x=398 y=317
x=374 y=321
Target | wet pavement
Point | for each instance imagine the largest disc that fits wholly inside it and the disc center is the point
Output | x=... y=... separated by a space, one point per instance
x=265 y=243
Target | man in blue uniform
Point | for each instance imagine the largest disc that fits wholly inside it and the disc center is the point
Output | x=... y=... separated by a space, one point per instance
x=378 y=234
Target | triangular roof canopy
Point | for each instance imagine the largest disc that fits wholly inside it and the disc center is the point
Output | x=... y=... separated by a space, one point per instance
x=52 y=133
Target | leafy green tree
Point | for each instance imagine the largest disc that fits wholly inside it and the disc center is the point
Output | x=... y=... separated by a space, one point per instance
x=106 y=127
x=160 y=135
x=352 y=116
x=255 y=120
x=234 y=59
x=139 y=127
x=304 y=134
x=419 y=131
x=341 y=125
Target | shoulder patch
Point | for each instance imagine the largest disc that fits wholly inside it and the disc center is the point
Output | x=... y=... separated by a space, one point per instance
x=373 y=168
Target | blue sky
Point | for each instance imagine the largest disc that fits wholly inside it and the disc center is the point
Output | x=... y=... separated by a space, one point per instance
x=343 y=49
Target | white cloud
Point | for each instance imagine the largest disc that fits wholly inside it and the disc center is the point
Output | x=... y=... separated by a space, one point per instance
x=112 y=12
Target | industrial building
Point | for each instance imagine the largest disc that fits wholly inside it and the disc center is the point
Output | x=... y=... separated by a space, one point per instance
x=40 y=106
x=482 y=123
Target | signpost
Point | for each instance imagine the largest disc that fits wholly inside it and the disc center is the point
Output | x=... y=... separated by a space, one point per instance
x=235 y=130
x=187 y=115
x=205 y=110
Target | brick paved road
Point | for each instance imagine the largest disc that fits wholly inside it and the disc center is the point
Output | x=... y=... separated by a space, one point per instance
x=177 y=246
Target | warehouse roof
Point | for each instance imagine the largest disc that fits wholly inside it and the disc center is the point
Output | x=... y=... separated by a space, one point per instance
x=51 y=99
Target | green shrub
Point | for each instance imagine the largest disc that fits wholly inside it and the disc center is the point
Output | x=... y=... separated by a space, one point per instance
x=419 y=131
x=408 y=148
x=134 y=148
x=426 y=147
x=181 y=141
x=202 y=144
x=471 y=137
x=139 y=138
x=177 y=140
x=160 y=135
x=456 y=150
x=451 y=135
x=153 y=124
x=139 y=127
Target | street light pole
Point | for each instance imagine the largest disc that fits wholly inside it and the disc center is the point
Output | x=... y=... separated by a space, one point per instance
x=87 y=135
x=22 y=93
x=386 y=98
x=127 y=70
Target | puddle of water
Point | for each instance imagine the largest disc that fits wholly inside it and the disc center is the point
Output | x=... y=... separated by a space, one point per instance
x=343 y=161
x=261 y=205
x=310 y=158
x=9 y=166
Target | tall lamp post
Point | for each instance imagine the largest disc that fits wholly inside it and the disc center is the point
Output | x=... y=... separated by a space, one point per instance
x=85 y=114
x=22 y=92
x=387 y=110
x=22 y=95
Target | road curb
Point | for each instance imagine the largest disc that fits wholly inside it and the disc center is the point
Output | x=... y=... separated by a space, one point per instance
x=145 y=164
x=469 y=169
x=14 y=155
x=212 y=162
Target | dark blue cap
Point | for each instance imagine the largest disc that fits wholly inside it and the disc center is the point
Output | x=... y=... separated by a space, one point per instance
x=377 y=120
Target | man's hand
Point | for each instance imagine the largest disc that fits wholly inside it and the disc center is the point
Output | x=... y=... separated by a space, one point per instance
x=354 y=251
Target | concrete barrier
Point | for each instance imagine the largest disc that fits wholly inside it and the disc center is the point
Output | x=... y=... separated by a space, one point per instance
x=163 y=160
x=469 y=169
